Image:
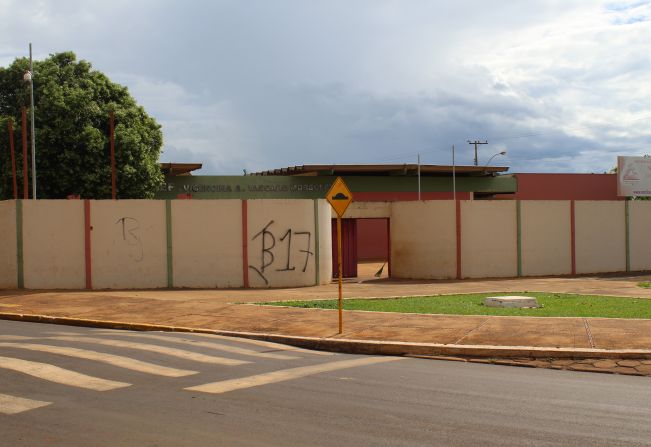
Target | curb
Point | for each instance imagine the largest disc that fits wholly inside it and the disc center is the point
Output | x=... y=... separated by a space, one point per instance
x=352 y=346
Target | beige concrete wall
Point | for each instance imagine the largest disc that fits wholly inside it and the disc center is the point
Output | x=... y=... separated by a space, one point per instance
x=325 y=242
x=8 y=260
x=129 y=244
x=207 y=243
x=129 y=241
x=546 y=238
x=281 y=241
x=53 y=244
x=423 y=239
x=600 y=236
x=367 y=210
x=640 y=234
x=488 y=239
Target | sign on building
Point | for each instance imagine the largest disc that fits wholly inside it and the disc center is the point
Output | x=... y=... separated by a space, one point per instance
x=634 y=176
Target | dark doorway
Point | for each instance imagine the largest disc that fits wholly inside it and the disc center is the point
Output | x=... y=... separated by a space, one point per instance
x=365 y=248
x=373 y=252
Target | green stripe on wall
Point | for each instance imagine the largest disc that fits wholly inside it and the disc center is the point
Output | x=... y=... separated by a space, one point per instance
x=317 y=264
x=170 y=258
x=627 y=224
x=518 y=214
x=19 y=243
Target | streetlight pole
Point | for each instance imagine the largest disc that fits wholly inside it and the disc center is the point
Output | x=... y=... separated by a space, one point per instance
x=494 y=155
x=30 y=78
x=418 y=176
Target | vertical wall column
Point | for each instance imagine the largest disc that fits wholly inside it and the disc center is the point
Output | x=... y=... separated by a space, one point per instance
x=573 y=235
x=458 y=231
x=19 y=244
x=170 y=252
x=317 y=257
x=245 y=244
x=518 y=217
x=389 y=247
x=87 y=245
x=627 y=227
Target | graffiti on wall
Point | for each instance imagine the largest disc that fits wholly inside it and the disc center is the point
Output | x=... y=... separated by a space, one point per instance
x=131 y=236
x=283 y=253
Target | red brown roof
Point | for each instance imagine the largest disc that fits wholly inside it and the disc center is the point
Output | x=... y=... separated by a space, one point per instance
x=382 y=170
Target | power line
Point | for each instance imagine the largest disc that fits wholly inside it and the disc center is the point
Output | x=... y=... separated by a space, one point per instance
x=404 y=155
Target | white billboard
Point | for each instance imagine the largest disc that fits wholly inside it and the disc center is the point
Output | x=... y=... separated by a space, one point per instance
x=634 y=176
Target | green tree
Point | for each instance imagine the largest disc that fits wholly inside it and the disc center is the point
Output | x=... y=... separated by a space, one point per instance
x=71 y=105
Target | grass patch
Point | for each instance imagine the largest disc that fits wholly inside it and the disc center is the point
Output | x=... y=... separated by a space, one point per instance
x=554 y=305
x=645 y=285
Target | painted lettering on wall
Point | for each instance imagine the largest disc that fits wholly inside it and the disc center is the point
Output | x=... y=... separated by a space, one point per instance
x=237 y=189
x=276 y=252
x=131 y=236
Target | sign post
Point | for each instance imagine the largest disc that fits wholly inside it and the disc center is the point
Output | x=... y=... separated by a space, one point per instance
x=339 y=198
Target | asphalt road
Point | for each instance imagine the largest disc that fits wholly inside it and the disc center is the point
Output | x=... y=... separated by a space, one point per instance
x=67 y=386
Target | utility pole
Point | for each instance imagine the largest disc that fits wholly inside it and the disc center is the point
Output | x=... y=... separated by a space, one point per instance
x=476 y=142
x=31 y=100
x=454 y=177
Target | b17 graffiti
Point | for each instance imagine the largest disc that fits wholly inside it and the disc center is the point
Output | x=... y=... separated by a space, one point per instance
x=268 y=256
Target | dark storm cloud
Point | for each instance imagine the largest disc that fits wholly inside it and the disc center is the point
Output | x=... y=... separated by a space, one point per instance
x=560 y=85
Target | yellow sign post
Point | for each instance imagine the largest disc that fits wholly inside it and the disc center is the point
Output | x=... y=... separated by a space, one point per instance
x=339 y=198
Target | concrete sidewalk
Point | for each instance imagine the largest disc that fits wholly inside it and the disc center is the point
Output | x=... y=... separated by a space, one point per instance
x=415 y=334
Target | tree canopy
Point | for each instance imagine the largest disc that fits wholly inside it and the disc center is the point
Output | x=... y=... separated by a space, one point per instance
x=71 y=106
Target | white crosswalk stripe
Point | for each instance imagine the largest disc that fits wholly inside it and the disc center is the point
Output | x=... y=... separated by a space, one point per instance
x=14 y=405
x=266 y=344
x=205 y=344
x=59 y=375
x=186 y=355
x=225 y=386
x=115 y=360
x=14 y=338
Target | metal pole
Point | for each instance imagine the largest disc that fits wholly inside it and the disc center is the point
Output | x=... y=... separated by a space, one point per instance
x=339 y=266
x=23 y=113
x=112 y=138
x=13 y=158
x=31 y=97
x=454 y=177
x=418 y=176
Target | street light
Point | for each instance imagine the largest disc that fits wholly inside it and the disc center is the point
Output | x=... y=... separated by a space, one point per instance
x=491 y=159
x=29 y=77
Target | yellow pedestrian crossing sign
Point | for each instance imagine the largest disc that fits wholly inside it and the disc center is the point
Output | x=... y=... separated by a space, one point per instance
x=339 y=196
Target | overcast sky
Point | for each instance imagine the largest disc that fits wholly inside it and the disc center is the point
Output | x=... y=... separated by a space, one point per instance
x=562 y=86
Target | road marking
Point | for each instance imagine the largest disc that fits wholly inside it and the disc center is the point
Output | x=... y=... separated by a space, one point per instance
x=59 y=375
x=249 y=341
x=15 y=337
x=14 y=405
x=115 y=360
x=204 y=344
x=225 y=386
x=266 y=344
x=186 y=355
